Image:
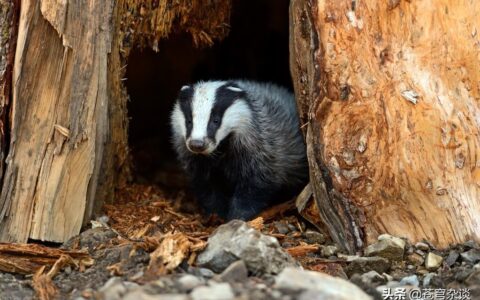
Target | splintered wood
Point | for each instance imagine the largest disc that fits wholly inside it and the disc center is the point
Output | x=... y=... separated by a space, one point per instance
x=390 y=97
x=29 y=258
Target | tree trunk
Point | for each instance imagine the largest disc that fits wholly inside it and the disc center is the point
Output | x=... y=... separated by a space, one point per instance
x=68 y=147
x=389 y=92
x=59 y=118
x=8 y=29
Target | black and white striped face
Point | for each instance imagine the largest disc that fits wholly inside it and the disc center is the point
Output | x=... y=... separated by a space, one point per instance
x=207 y=112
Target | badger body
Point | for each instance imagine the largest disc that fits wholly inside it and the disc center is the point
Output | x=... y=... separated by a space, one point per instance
x=240 y=144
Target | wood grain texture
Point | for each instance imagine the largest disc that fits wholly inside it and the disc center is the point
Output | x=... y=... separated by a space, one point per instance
x=9 y=12
x=59 y=118
x=396 y=118
x=69 y=147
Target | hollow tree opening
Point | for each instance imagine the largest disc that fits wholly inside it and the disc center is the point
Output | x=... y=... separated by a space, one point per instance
x=256 y=48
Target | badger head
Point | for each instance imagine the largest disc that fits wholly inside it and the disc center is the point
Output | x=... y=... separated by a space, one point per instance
x=207 y=112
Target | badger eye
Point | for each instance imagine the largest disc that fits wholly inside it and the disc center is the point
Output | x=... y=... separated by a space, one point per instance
x=216 y=120
x=189 y=122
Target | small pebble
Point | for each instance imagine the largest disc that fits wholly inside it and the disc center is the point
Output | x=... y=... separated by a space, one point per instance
x=427 y=279
x=218 y=291
x=189 y=282
x=314 y=237
x=281 y=227
x=328 y=251
x=410 y=280
x=452 y=258
x=422 y=246
x=433 y=261
x=471 y=256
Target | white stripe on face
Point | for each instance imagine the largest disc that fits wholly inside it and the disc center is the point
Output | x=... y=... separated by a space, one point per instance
x=202 y=104
x=237 y=118
x=178 y=122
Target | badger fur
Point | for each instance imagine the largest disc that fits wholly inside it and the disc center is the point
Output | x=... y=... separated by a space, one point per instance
x=241 y=145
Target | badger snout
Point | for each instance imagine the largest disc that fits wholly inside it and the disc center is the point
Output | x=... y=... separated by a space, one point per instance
x=197 y=145
x=200 y=146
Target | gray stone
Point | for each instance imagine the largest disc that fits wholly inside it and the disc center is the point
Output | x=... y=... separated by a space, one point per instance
x=365 y=264
x=314 y=237
x=471 y=244
x=236 y=240
x=140 y=294
x=416 y=259
x=433 y=261
x=452 y=258
x=113 y=289
x=328 y=251
x=400 y=242
x=473 y=278
x=189 y=282
x=281 y=227
x=372 y=278
x=236 y=272
x=386 y=248
x=471 y=256
x=216 y=291
x=410 y=280
x=422 y=246
x=322 y=286
x=427 y=279
x=388 y=277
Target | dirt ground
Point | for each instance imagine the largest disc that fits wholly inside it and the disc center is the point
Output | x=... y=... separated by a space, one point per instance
x=151 y=235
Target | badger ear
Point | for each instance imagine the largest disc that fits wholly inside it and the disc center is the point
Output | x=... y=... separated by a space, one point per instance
x=185 y=87
x=234 y=89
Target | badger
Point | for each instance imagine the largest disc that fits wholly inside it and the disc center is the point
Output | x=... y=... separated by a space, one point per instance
x=241 y=145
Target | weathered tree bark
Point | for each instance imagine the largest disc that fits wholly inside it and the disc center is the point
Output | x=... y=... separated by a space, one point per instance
x=389 y=92
x=8 y=32
x=68 y=146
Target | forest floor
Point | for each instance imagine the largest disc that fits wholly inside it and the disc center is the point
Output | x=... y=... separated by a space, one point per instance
x=153 y=245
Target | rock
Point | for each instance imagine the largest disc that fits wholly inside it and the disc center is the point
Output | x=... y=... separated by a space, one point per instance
x=473 y=278
x=314 y=237
x=462 y=273
x=328 y=251
x=15 y=287
x=416 y=259
x=236 y=272
x=202 y=272
x=362 y=265
x=422 y=246
x=452 y=258
x=281 y=227
x=386 y=248
x=471 y=256
x=140 y=294
x=427 y=279
x=471 y=244
x=91 y=238
x=217 y=291
x=433 y=261
x=371 y=278
x=189 y=282
x=236 y=240
x=388 y=277
x=400 y=242
x=410 y=280
x=114 y=289
x=324 y=286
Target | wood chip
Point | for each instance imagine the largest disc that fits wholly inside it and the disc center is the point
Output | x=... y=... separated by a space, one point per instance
x=44 y=286
x=302 y=250
x=256 y=223
x=173 y=249
x=29 y=258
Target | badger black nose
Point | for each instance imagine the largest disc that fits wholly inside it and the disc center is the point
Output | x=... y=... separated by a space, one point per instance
x=197 y=145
